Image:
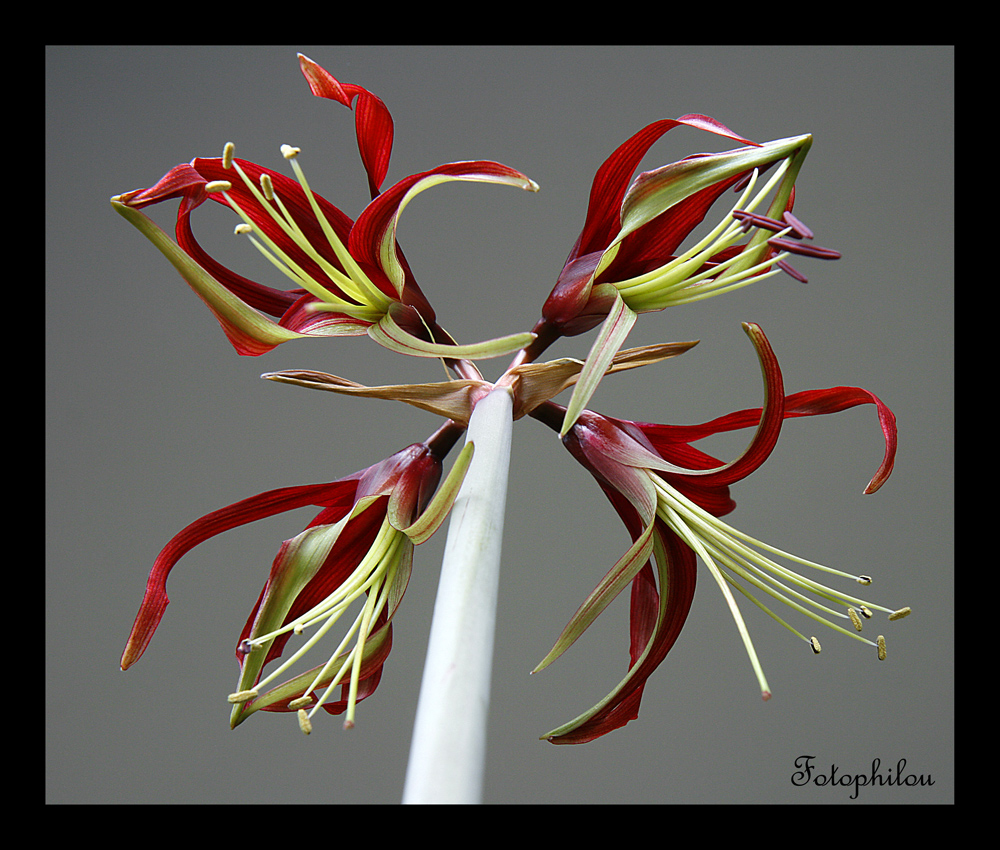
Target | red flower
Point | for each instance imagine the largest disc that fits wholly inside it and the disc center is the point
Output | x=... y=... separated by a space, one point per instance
x=348 y=277
x=633 y=230
x=360 y=545
x=670 y=496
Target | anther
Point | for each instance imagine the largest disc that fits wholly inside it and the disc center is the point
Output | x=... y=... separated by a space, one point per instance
x=814 y=643
x=793 y=246
x=242 y=696
x=301 y=702
x=797 y=226
x=218 y=186
x=242 y=228
x=898 y=615
x=864 y=579
x=791 y=272
x=245 y=646
x=750 y=219
x=227 y=155
x=855 y=619
x=266 y=186
x=289 y=152
x=881 y=648
x=305 y=724
x=865 y=612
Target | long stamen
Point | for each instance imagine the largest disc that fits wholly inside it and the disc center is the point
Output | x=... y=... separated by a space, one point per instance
x=676 y=282
x=733 y=559
x=371 y=302
x=373 y=293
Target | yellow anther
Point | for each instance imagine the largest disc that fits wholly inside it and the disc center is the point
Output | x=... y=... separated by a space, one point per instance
x=864 y=579
x=218 y=186
x=289 y=152
x=266 y=186
x=242 y=228
x=855 y=619
x=227 y=155
x=881 y=648
x=865 y=612
x=305 y=724
x=301 y=702
x=242 y=696
x=297 y=628
x=898 y=615
x=814 y=643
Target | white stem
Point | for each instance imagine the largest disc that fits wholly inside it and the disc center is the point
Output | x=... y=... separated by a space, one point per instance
x=448 y=749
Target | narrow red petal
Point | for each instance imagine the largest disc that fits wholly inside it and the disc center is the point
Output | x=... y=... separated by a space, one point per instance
x=155 y=600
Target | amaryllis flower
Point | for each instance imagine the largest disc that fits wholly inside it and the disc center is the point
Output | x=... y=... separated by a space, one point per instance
x=347 y=277
x=628 y=258
x=358 y=549
x=671 y=496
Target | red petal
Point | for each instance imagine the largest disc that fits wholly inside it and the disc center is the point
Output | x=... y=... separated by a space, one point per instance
x=613 y=178
x=372 y=119
x=155 y=600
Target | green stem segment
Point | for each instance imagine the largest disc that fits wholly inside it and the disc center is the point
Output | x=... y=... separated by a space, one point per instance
x=447 y=753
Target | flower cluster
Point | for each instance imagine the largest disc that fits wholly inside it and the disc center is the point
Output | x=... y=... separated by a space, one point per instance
x=644 y=247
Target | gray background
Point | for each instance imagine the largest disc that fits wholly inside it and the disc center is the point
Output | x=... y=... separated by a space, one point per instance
x=153 y=420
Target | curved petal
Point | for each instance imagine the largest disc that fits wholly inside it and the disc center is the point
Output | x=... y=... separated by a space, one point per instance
x=655 y=192
x=390 y=334
x=338 y=495
x=613 y=177
x=373 y=237
x=250 y=332
x=372 y=119
x=651 y=639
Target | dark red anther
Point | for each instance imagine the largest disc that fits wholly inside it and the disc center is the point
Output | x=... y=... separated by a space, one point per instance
x=750 y=219
x=787 y=269
x=794 y=247
x=798 y=228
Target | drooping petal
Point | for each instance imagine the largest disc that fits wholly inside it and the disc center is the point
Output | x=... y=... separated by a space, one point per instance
x=807 y=403
x=604 y=594
x=338 y=495
x=676 y=577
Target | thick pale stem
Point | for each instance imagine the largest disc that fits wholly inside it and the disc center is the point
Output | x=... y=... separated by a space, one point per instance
x=448 y=749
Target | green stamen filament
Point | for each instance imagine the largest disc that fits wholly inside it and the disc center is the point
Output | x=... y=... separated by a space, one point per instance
x=671 y=284
x=731 y=561
x=372 y=303
x=374 y=576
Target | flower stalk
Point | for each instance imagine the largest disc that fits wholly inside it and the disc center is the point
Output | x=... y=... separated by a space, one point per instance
x=448 y=747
